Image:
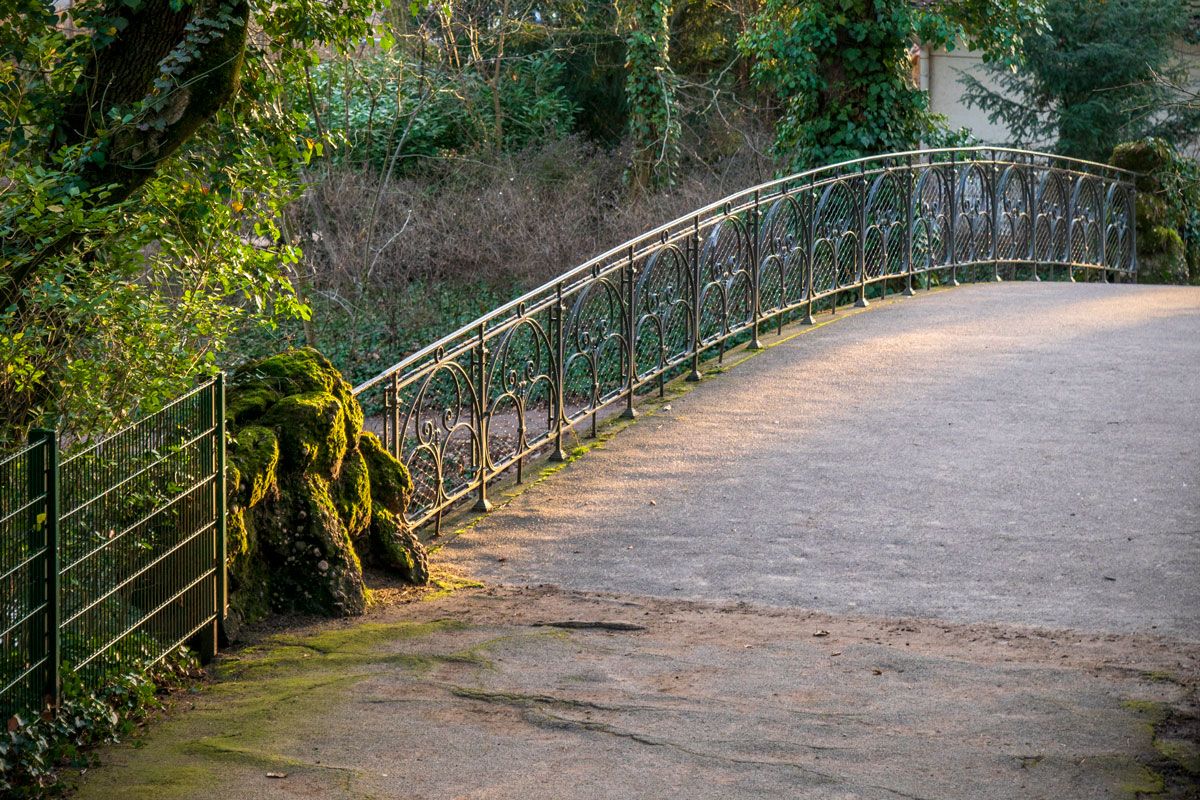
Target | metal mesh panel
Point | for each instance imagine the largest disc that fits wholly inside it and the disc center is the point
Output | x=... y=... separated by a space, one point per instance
x=23 y=585
x=114 y=557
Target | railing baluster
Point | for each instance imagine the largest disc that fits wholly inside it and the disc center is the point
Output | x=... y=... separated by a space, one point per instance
x=628 y=300
x=560 y=375
x=694 y=248
x=860 y=238
x=755 y=276
x=810 y=216
x=394 y=394
x=908 y=226
x=481 y=502
x=1131 y=222
x=952 y=245
x=995 y=170
x=1070 y=254
x=1033 y=215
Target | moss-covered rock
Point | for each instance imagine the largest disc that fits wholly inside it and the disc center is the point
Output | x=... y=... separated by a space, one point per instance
x=254 y=455
x=396 y=548
x=310 y=494
x=391 y=485
x=1167 y=211
x=352 y=495
x=312 y=432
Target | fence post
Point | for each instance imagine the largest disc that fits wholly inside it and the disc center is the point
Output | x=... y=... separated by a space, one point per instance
x=694 y=245
x=560 y=375
x=810 y=247
x=44 y=479
x=860 y=240
x=1071 y=233
x=1131 y=221
x=222 y=509
x=1031 y=205
x=755 y=277
x=908 y=226
x=630 y=302
x=952 y=245
x=995 y=219
x=1104 y=216
x=481 y=502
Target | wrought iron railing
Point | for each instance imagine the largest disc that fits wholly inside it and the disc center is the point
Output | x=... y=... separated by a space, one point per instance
x=478 y=402
x=112 y=556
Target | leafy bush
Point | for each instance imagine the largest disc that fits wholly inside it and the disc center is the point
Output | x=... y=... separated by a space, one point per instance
x=34 y=750
x=385 y=109
x=1168 y=210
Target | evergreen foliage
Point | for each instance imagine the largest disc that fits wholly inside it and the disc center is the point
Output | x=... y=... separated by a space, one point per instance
x=1102 y=73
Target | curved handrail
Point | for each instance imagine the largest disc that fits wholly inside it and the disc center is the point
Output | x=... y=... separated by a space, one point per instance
x=467 y=407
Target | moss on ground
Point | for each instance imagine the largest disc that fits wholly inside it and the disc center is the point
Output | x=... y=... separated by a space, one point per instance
x=264 y=706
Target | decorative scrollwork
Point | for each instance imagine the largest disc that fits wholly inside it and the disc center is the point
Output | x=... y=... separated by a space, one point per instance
x=476 y=403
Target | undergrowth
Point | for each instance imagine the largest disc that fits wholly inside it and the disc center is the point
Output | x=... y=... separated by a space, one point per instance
x=37 y=752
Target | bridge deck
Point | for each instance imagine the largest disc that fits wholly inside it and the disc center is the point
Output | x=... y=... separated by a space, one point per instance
x=1016 y=453
x=1020 y=453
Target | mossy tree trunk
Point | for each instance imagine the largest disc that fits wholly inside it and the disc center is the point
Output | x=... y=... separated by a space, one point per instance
x=158 y=72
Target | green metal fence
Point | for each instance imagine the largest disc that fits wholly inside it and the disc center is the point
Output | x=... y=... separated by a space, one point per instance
x=116 y=554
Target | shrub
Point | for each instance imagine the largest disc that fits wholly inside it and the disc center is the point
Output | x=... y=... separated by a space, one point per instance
x=35 y=750
x=1168 y=210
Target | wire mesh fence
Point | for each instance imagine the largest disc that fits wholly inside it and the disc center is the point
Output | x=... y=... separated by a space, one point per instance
x=116 y=555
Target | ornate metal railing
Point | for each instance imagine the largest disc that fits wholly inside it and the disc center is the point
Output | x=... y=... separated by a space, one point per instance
x=478 y=402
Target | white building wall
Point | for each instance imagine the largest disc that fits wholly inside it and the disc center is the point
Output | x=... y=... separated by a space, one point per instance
x=939 y=75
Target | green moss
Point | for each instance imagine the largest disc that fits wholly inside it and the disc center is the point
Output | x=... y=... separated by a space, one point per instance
x=254 y=453
x=446 y=584
x=1145 y=157
x=1182 y=752
x=352 y=495
x=299 y=371
x=394 y=547
x=237 y=538
x=391 y=485
x=1162 y=258
x=312 y=432
x=245 y=404
x=1142 y=781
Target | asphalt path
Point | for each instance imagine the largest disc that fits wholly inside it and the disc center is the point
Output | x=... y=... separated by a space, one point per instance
x=1023 y=452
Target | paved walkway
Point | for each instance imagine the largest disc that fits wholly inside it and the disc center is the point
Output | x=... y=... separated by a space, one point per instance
x=1024 y=453
x=945 y=549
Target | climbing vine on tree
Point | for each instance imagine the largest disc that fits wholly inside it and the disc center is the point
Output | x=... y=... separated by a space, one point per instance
x=841 y=74
x=650 y=93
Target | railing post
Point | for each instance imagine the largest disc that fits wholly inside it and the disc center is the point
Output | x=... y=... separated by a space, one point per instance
x=860 y=244
x=908 y=227
x=629 y=275
x=694 y=246
x=810 y=247
x=481 y=501
x=208 y=638
x=222 y=508
x=755 y=277
x=1030 y=204
x=560 y=375
x=1104 y=215
x=952 y=246
x=392 y=401
x=44 y=479
x=1131 y=221
x=1071 y=233
x=995 y=219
